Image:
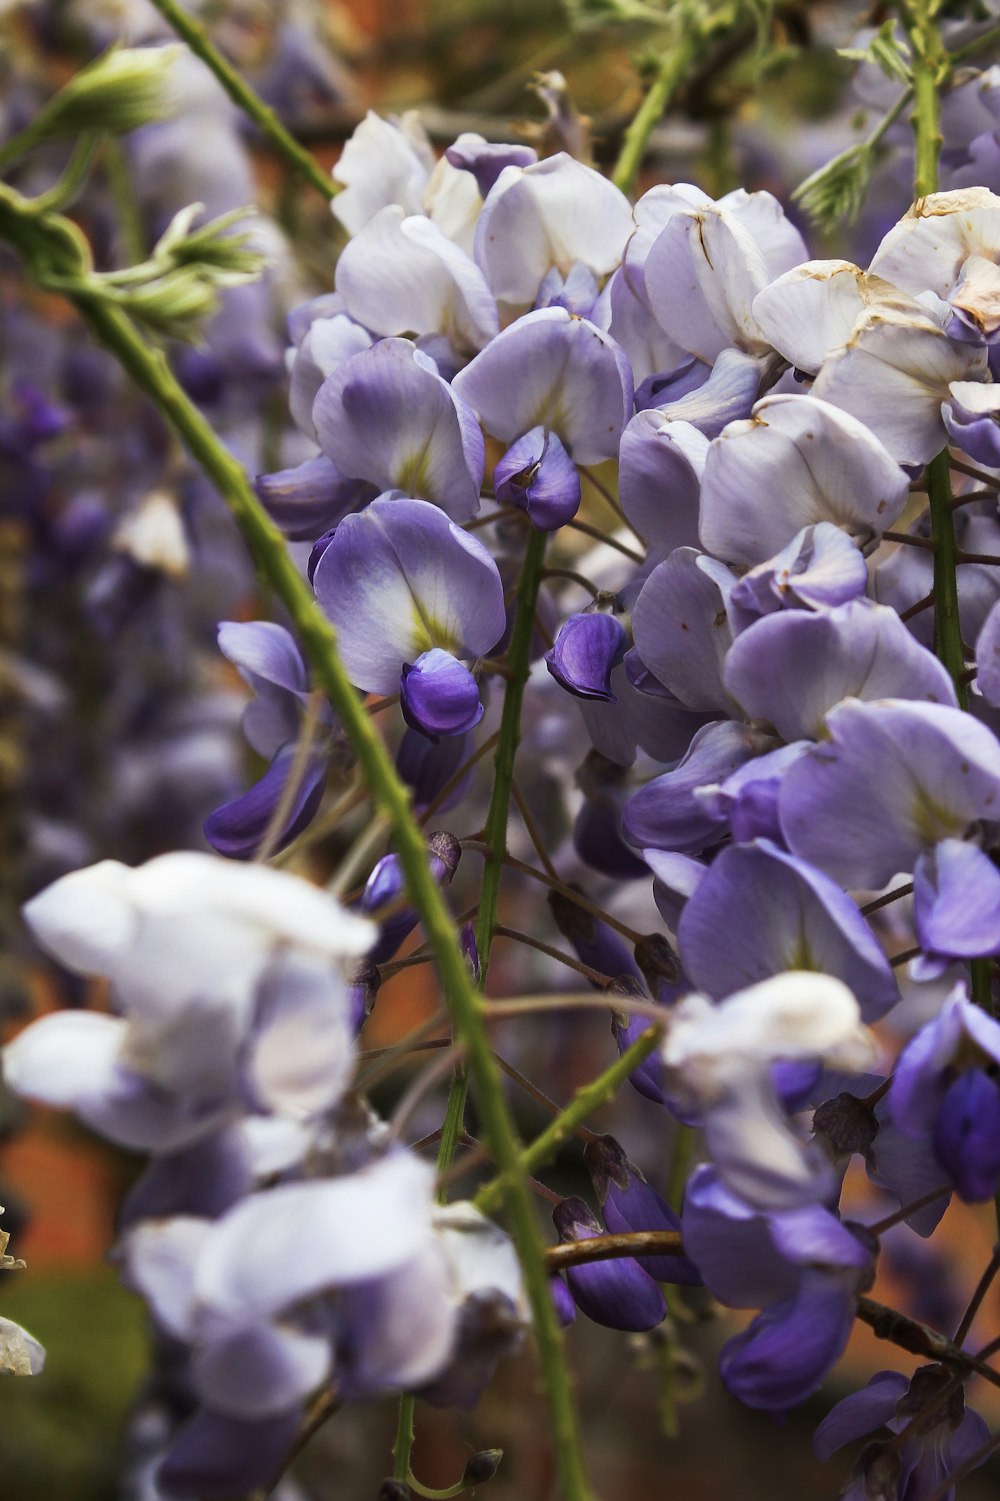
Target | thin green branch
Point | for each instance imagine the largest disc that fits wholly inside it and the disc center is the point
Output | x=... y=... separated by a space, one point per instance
x=583 y=1104
x=518 y=659
x=242 y=95
x=675 y=63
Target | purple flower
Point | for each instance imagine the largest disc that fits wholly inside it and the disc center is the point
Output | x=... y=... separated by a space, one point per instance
x=588 y=647
x=400 y=579
x=944 y=1093
x=617 y=1293
x=942 y=1437
x=386 y=416
x=438 y=695
x=804 y=1267
x=538 y=475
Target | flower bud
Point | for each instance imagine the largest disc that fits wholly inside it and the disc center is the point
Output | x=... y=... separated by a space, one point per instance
x=617 y=1293
x=124 y=88
x=629 y=1203
x=395 y=1490
x=967 y=1135
x=487 y=159
x=586 y=652
x=538 y=475
x=482 y=1467
x=427 y=766
x=595 y=943
x=438 y=695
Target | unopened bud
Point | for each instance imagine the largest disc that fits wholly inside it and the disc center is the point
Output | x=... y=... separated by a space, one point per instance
x=124 y=88
x=395 y=1490
x=482 y=1467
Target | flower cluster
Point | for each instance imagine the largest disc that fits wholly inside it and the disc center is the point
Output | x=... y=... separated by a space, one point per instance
x=776 y=705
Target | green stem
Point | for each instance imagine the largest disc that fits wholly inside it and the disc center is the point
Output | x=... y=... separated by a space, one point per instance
x=518 y=660
x=985 y=39
x=583 y=1104
x=674 y=64
x=52 y=246
x=403 y=1447
x=242 y=95
x=930 y=69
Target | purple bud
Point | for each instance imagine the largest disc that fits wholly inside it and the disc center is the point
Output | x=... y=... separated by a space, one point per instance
x=598 y=840
x=427 y=766
x=967 y=1135
x=487 y=159
x=586 y=652
x=596 y=944
x=311 y=498
x=616 y=1293
x=394 y=1490
x=439 y=696
x=647 y=1078
x=629 y=1203
x=318 y=549
x=537 y=474
x=470 y=951
x=482 y=1467
x=386 y=886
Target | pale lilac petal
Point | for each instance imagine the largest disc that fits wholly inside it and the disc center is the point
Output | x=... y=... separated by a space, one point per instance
x=64 y=1058
x=758 y=912
x=797 y=461
x=303 y=1053
x=553 y=213
x=780 y=243
x=820 y=567
x=956 y=900
x=682 y=630
x=160 y=1258
x=85 y=919
x=399 y=1332
x=727 y=396
x=298 y=1239
x=792 y=667
x=893 y=376
x=311 y=498
x=386 y=416
x=811 y=310
x=326 y=345
x=702 y=274
x=383 y=161
x=260 y=1372
x=552 y=370
x=400 y=275
x=659 y=480
x=399 y=579
x=892 y=779
x=667 y=814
